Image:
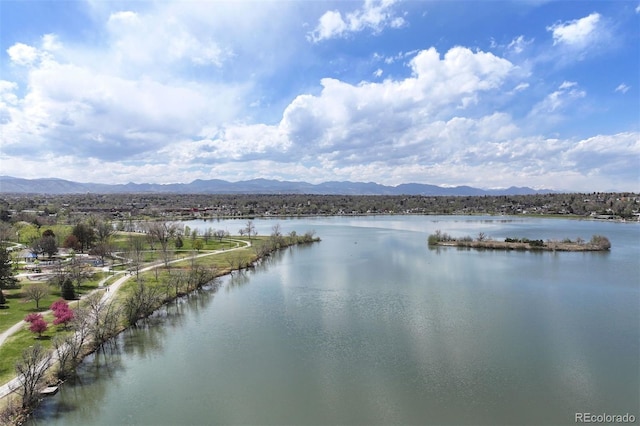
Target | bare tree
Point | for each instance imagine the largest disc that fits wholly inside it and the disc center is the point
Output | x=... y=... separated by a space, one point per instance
x=236 y=261
x=135 y=254
x=276 y=236
x=163 y=232
x=31 y=369
x=103 y=319
x=250 y=229
x=220 y=234
x=77 y=270
x=141 y=302
x=63 y=355
x=36 y=292
x=76 y=341
x=174 y=284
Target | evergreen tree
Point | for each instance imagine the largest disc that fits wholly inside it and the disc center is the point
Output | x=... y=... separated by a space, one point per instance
x=68 y=291
x=7 y=279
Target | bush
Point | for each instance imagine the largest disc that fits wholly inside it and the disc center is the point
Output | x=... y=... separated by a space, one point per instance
x=601 y=242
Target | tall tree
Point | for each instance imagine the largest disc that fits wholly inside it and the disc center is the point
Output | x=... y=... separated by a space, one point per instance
x=163 y=232
x=31 y=369
x=104 y=232
x=49 y=245
x=135 y=253
x=250 y=229
x=85 y=235
x=7 y=280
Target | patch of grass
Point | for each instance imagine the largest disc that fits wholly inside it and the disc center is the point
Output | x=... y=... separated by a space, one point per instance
x=17 y=307
x=11 y=349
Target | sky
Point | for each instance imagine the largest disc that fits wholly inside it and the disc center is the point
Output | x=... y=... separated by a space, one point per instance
x=490 y=94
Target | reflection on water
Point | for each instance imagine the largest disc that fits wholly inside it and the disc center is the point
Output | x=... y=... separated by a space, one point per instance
x=372 y=327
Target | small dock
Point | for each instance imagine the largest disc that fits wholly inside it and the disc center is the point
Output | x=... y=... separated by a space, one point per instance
x=49 y=391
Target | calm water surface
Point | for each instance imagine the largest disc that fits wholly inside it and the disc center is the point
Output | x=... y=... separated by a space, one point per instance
x=370 y=326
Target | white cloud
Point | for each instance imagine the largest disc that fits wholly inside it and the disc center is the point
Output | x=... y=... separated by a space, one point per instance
x=520 y=87
x=82 y=111
x=579 y=32
x=622 y=88
x=153 y=102
x=330 y=25
x=156 y=39
x=23 y=54
x=374 y=15
x=556 y=101
x=518 y=44
x=348 y=124
x=51 y=43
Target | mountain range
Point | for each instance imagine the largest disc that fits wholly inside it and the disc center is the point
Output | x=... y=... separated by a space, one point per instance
x=53 y=186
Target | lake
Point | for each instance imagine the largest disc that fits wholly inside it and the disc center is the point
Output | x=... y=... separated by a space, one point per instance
x=370 y=326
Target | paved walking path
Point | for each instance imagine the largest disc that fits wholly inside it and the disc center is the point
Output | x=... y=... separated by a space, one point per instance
x=10 y=386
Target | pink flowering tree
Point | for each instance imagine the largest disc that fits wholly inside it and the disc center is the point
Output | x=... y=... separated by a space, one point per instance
x=37 y=324
x=62 y=312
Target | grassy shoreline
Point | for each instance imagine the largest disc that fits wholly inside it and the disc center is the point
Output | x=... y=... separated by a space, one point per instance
x=219 y=263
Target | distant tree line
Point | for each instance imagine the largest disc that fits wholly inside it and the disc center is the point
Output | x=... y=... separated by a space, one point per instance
x=72 y=209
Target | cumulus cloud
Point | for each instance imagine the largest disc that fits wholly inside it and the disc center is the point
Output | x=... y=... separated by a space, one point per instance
x=151 y=39
x=374 y=15
x=578 y=32
x=22 y=54
x=346 y=125
x=84 y=112
x=147 y=105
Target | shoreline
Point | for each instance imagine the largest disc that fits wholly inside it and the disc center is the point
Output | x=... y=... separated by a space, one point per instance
x=8 y=389
x=521 y=246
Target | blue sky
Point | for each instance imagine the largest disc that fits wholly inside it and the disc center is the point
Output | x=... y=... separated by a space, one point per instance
x=483 y=93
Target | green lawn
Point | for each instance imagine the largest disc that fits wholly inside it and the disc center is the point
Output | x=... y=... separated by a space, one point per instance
x=18 y=307
x=12 y=348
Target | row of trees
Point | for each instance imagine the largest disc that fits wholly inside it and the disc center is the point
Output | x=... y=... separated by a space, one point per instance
x=90 y=326
x=83 y=238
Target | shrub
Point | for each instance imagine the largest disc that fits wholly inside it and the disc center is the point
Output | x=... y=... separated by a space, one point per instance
x=536 y=243
x=601 y=242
